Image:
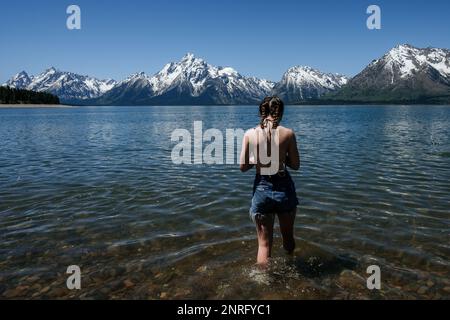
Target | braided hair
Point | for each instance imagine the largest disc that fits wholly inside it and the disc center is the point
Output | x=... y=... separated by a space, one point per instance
x=271 y=106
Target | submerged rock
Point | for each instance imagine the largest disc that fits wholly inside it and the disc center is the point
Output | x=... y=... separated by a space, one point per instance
x=202 y=269
x=128 y=284
x=58 y=293
x=351 y=279
x=422 y=290
x=45 y=290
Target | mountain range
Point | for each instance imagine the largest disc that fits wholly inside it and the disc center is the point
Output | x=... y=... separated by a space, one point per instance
x=404 y=74
x=68 y=86
x=305 y=83
x=189 y=81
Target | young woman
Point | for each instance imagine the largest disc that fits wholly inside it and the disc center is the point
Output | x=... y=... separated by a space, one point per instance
x=273 y=193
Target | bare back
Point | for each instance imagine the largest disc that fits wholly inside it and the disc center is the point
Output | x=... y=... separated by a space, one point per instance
x=286 y=144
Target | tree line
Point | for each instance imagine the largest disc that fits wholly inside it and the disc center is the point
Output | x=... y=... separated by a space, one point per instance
x=10 y=95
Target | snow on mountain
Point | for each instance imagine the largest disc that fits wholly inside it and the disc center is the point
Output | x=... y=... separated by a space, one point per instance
x=140 y=79
x=303 y=83
x=198 y=74
x=405 y=60
x=189 y=81
x=19 y=81
x=405 y=73
x=67 y=86
x=136 y=89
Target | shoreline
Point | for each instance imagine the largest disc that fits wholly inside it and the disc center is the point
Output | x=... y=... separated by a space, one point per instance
x=43 y=106
x=22 y=106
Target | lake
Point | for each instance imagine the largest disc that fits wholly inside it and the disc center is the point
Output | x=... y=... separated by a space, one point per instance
x=96 y=187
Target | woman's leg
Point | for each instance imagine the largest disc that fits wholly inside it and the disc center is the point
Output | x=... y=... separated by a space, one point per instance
x=287 y=230
x=264 y=229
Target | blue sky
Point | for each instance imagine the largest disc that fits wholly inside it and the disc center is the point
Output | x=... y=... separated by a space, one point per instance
x=256 y=37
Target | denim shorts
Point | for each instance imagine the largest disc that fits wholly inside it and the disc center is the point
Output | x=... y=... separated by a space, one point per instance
x=273 y=195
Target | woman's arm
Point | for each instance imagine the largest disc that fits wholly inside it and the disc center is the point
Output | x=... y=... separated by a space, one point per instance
x=245 y=155
x=293 y=157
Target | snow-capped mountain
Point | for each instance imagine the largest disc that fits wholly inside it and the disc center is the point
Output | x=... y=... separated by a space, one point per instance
x=189 y=81
x=137 y=89
x=19 y=81
x=405 y=73
x=68 y=86
x=305 y=83
x=405 y=61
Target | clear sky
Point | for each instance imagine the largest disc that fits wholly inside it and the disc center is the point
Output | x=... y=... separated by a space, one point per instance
x=256 y=37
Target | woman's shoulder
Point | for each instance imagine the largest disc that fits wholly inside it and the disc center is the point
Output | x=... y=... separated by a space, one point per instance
x=286 y=130
x=251 y=130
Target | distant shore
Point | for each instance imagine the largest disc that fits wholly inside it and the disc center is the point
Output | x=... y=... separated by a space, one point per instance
x=324 y=102
x=15 y=106
x=309 y=103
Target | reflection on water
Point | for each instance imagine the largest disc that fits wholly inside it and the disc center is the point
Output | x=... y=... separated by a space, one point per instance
x=96 y=187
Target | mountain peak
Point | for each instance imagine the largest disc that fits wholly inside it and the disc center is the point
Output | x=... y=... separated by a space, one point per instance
x=190 y=80
x=51 y=70
x=66 y=85
x=304 y=82
x=19 y=81
x=190 y=58
x=137 y=75
x=404 y=73
x=405 y=60
x=297 y=69
x=405 y=46
x=402 y=49
x=310 y=71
